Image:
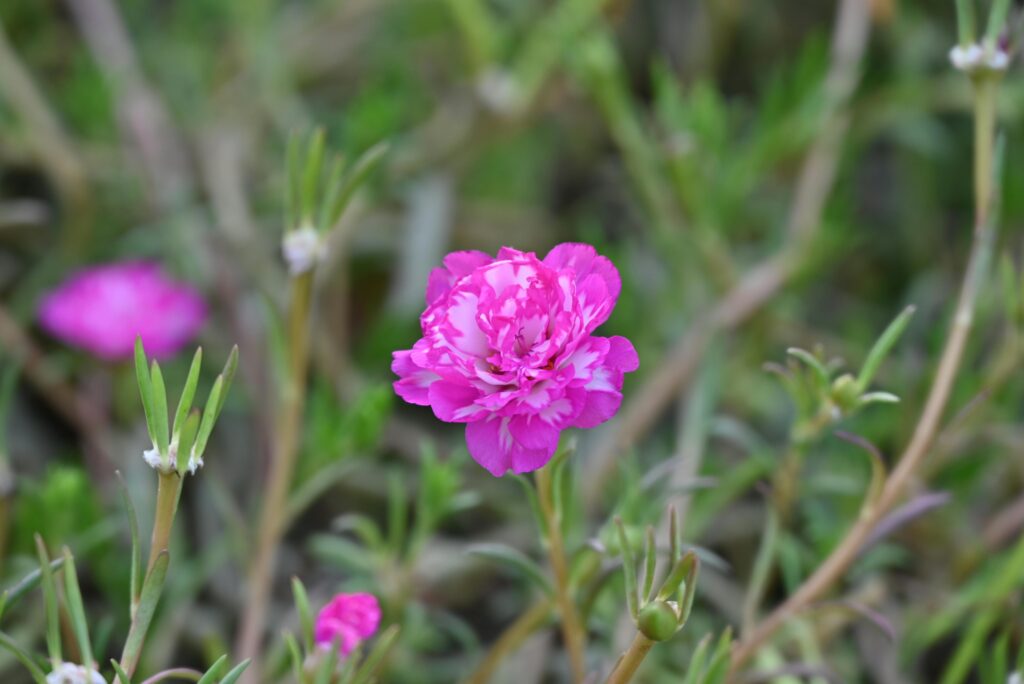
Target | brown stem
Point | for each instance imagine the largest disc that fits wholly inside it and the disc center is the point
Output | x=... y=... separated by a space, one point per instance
x=630 y=661
x=510 y=640
x=764 y=279
x=278 y=484
x=572 y=629
x=924 y=433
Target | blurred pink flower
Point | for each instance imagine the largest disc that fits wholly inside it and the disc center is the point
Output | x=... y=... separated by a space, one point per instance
x=102 y=309
x=347 y=620
x=507 y=349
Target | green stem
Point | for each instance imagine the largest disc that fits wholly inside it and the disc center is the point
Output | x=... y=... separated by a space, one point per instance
x=630 y=661
x=572 y=629
x=168 y=494
x=278 y=484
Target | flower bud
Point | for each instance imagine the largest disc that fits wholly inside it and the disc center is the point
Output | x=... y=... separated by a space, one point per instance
x=846 y=393
x=658 y=620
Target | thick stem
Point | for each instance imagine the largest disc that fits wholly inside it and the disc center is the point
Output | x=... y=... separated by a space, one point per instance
x=924 y=434
x=278 y=484
x=168 y=493
x=513 y=637
x=572 y=629
x=630 y=661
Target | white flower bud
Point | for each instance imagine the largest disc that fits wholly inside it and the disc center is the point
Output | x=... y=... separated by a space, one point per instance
x=69 y=673
x=302 y=249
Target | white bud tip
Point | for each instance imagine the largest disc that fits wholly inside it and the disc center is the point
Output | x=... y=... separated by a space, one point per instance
x=302 y=249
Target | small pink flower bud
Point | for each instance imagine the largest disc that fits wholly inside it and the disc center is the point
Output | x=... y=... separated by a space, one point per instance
x=346 y=621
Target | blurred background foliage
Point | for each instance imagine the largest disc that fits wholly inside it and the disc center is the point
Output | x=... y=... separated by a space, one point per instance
x=671 y=134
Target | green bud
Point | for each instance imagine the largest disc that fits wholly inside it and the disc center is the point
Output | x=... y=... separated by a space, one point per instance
x=846 y=393
x=658 y=620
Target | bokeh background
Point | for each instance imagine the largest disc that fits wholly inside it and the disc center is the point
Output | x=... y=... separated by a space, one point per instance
x=764 y=175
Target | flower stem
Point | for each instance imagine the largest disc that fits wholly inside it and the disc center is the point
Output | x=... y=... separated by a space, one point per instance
x=924 y=433
x=516 y=633
x=278 y=484
x=572 y=629
x=630 y=661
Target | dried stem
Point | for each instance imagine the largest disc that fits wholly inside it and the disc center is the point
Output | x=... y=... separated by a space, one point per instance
x=924 y=433
x=763 y=280
x=278 y=484
x=572 y=629
x=510 y=640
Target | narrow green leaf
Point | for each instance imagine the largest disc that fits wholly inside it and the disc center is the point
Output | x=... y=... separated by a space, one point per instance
x=49 y=603
x=121 y=675
x=328 y=665
x=76 y=608
x=821 y=374
x=145 y=382
x=515 y=559
x=23 y=657
x=718 y=668
x=210 y=676
x=882 y=347
x=296 y=657
x=151 y=590
x=650 y=565
x=135 y=586
x=232 y=676
x=677 y=576
x=228 y=373
x=368 y=670
x=27 y=584
x=332 y=189
x=160 y=417
x=188 y=394
x=628 y=569
x=965 y=22
x=209 y=417
x=305 y=614
x=996 y=22
x=675 y=536
x=293 y=173
x=311 y=174
x=187 y=439
x=695 y=668
x=355 y=178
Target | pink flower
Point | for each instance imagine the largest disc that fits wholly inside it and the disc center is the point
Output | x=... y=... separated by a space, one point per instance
x=102 y=309
x=507 y=349
x=347 y=620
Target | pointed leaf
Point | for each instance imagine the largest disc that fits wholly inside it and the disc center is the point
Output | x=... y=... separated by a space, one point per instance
x=882 y=347
x=27 y=584
x=628 y=569
x=821 y=374
x=209 y=417
x=49 y=602
x=296 y=656
x=228 y=373
x=188 y=394
x=210 y=676
x=151 y=590
x=186 y=440
x=23 y=657
x=355 y=178
x=119 y=672
x=73 y=598
x=305 y=614
x=368 y=670
x=650 y=565
x=145 y=382
x=679 y=574
x=311 y=174
x=232 y=676
x=332 y=188
x=160 y=416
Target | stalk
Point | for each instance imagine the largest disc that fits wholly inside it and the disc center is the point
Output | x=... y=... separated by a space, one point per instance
x=630 y=661
x=985 y=87
x=572 y=629
x=278 y=484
